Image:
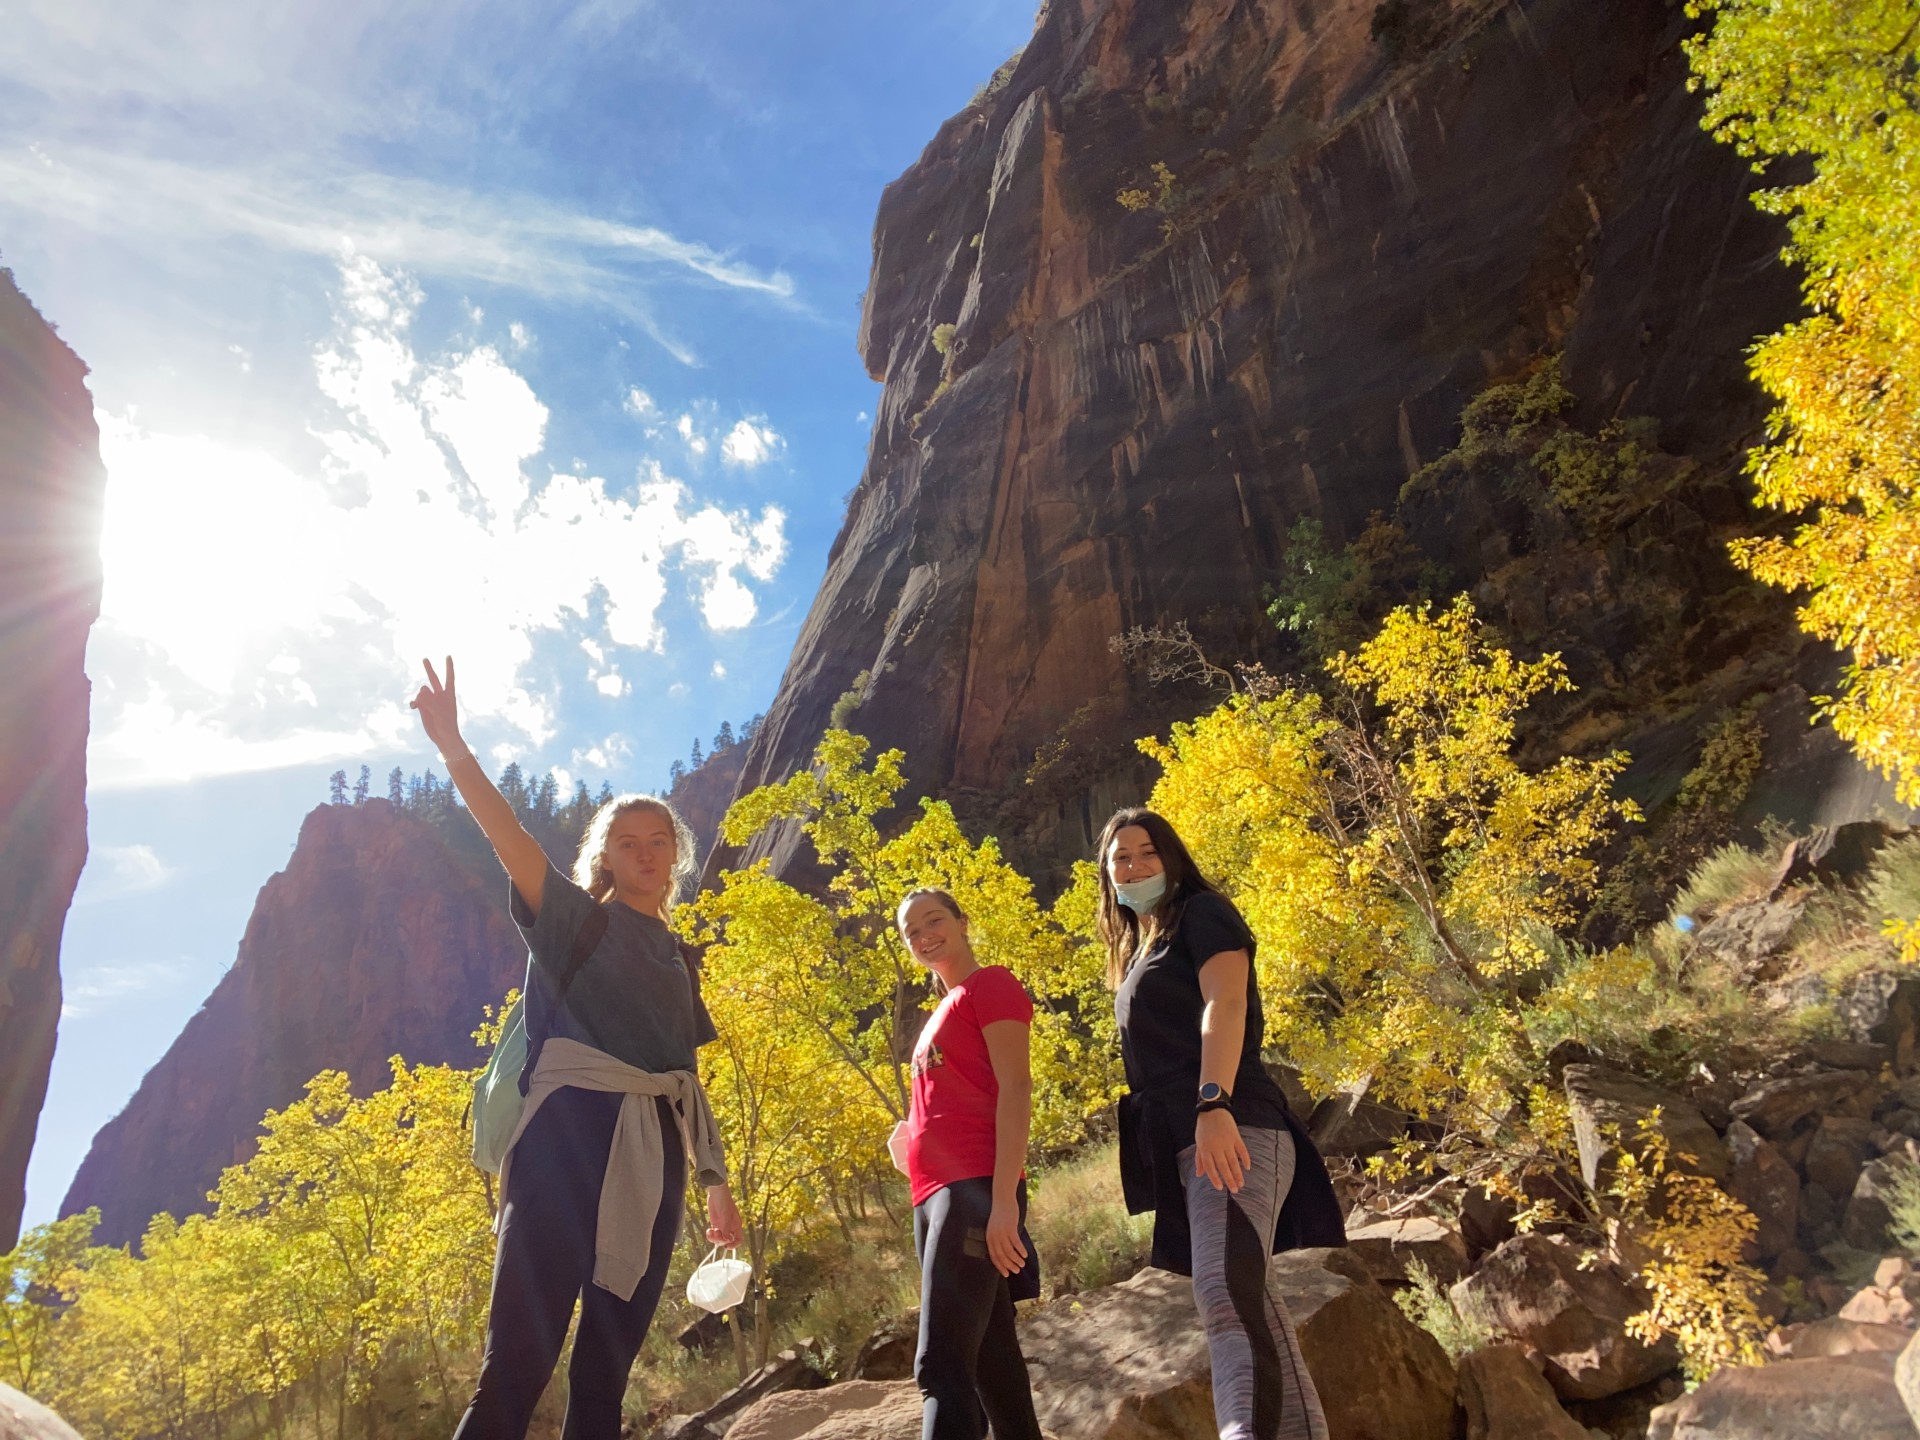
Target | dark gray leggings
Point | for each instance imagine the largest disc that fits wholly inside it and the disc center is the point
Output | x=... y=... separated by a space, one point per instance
x=1261 y=1389
x=968 y=1362
x=544 y=1263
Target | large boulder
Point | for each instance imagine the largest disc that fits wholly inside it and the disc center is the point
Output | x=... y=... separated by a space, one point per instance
x=1752 y=935
x=1536 y=1290
x=1836 y=1336
x=1869 y=1209
x=887 y=1354
x=797 y=1368
x=1906 y=1379
x=1609 y=1106
x=1385 y=1248
x=1890 y=1299
x=1764 y=1180
x=1882 y=1008
x=1504 y=1398
x=1838 y=1152
x=24 y=1419
x=1776 y=1106
x=1129 y=1362
x=1842 y=1397
x=851 y=1410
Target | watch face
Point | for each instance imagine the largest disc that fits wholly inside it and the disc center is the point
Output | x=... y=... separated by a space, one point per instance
x=1211 y=1091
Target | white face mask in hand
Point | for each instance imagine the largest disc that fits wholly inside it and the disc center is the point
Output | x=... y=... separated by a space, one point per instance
x=1140 y=896
x=719 y=1284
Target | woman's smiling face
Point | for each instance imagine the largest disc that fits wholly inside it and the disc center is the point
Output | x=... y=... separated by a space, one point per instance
x=1131 y=856
x=933 y=932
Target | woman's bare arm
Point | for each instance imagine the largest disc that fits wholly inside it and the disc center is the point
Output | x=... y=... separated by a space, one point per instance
x=1219 y=1152
x=519 y=852
x=1012 y=1119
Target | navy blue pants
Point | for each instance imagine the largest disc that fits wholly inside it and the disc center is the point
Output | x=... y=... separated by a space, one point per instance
x=544 y=1263
x=968 y=1363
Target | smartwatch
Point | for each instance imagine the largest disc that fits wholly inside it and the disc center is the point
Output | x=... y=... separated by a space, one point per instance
x=1212 y=1097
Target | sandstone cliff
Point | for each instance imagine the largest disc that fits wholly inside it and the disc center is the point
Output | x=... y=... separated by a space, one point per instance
x=379 y=938
x=702 y=796
x=51 y=485
x=1190 y=271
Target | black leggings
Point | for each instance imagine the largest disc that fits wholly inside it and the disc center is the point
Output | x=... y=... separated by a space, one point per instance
x=968 y=1362
x=545 y=1262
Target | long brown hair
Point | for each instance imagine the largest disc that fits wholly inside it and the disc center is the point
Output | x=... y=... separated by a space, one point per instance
x=590 y=870
x=1125 y=934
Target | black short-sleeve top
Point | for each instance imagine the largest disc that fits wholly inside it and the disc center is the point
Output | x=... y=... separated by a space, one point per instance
x=1158 y=1008
x=636 y=997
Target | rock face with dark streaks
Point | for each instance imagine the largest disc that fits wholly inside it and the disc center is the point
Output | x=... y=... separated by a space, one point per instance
x=51 y=486
x=1196 y=270
x=377 y=939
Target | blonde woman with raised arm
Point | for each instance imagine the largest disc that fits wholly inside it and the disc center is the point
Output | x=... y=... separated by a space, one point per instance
x=595 y=1179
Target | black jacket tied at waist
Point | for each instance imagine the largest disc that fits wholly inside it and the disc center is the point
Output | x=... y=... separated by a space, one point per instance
x=1156 y=1125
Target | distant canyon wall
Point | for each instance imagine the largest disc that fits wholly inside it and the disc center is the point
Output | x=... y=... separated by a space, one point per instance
x=1195 y=270
x=378 y=939
x=51 y=489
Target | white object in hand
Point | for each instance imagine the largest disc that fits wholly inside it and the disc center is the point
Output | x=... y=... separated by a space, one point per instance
x=719 y=1283
x=897 y=1147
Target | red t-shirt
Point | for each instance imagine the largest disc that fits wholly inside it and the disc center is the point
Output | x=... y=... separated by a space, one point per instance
x=950 y=1127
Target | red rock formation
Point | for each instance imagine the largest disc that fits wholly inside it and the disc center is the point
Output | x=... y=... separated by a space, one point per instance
x=51 y=485
x=1102 y=413
x=702 y=796
x=377 y=939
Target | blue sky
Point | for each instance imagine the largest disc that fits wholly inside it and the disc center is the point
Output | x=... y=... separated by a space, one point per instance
x=522 y=331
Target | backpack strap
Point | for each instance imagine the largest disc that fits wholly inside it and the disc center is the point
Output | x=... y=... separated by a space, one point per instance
x=585 y=941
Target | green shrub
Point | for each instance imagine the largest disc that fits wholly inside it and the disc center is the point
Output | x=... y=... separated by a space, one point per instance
x=1459 y=1329
x=1893 y=885
x=1903 y=1201
x=1080 y=1224
x=1729 y=875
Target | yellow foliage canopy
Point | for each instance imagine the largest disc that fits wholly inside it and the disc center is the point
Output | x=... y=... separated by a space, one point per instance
x=1839 y=81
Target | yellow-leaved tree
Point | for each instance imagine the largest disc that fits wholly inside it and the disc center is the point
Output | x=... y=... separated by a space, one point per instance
x=1838 y=82
x=354 y=1248
x=1404 y=873
x=818 y=1002
x=33 y=1279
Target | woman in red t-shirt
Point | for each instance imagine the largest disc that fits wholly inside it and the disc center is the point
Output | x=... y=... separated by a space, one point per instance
x=963 y=1147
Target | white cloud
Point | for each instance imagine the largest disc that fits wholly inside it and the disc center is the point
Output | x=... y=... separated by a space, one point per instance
x=696 y=442
x=517 y=241
x=519 y=335
x=115 y=870
x=638 y=402
x=95 y=989
x=257 y=616
x=612 y=685
x=612 y=751
x=719 y=671
x=750 y=444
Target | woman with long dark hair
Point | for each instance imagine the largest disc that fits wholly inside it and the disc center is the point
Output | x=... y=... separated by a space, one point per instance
x=1206 y=1139
x=963 y=1147
x=596 y=1175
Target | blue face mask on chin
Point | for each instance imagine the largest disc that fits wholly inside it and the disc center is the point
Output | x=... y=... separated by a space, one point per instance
x=1140 y=896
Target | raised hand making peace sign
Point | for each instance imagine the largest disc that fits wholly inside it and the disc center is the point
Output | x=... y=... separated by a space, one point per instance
x=438 y=713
